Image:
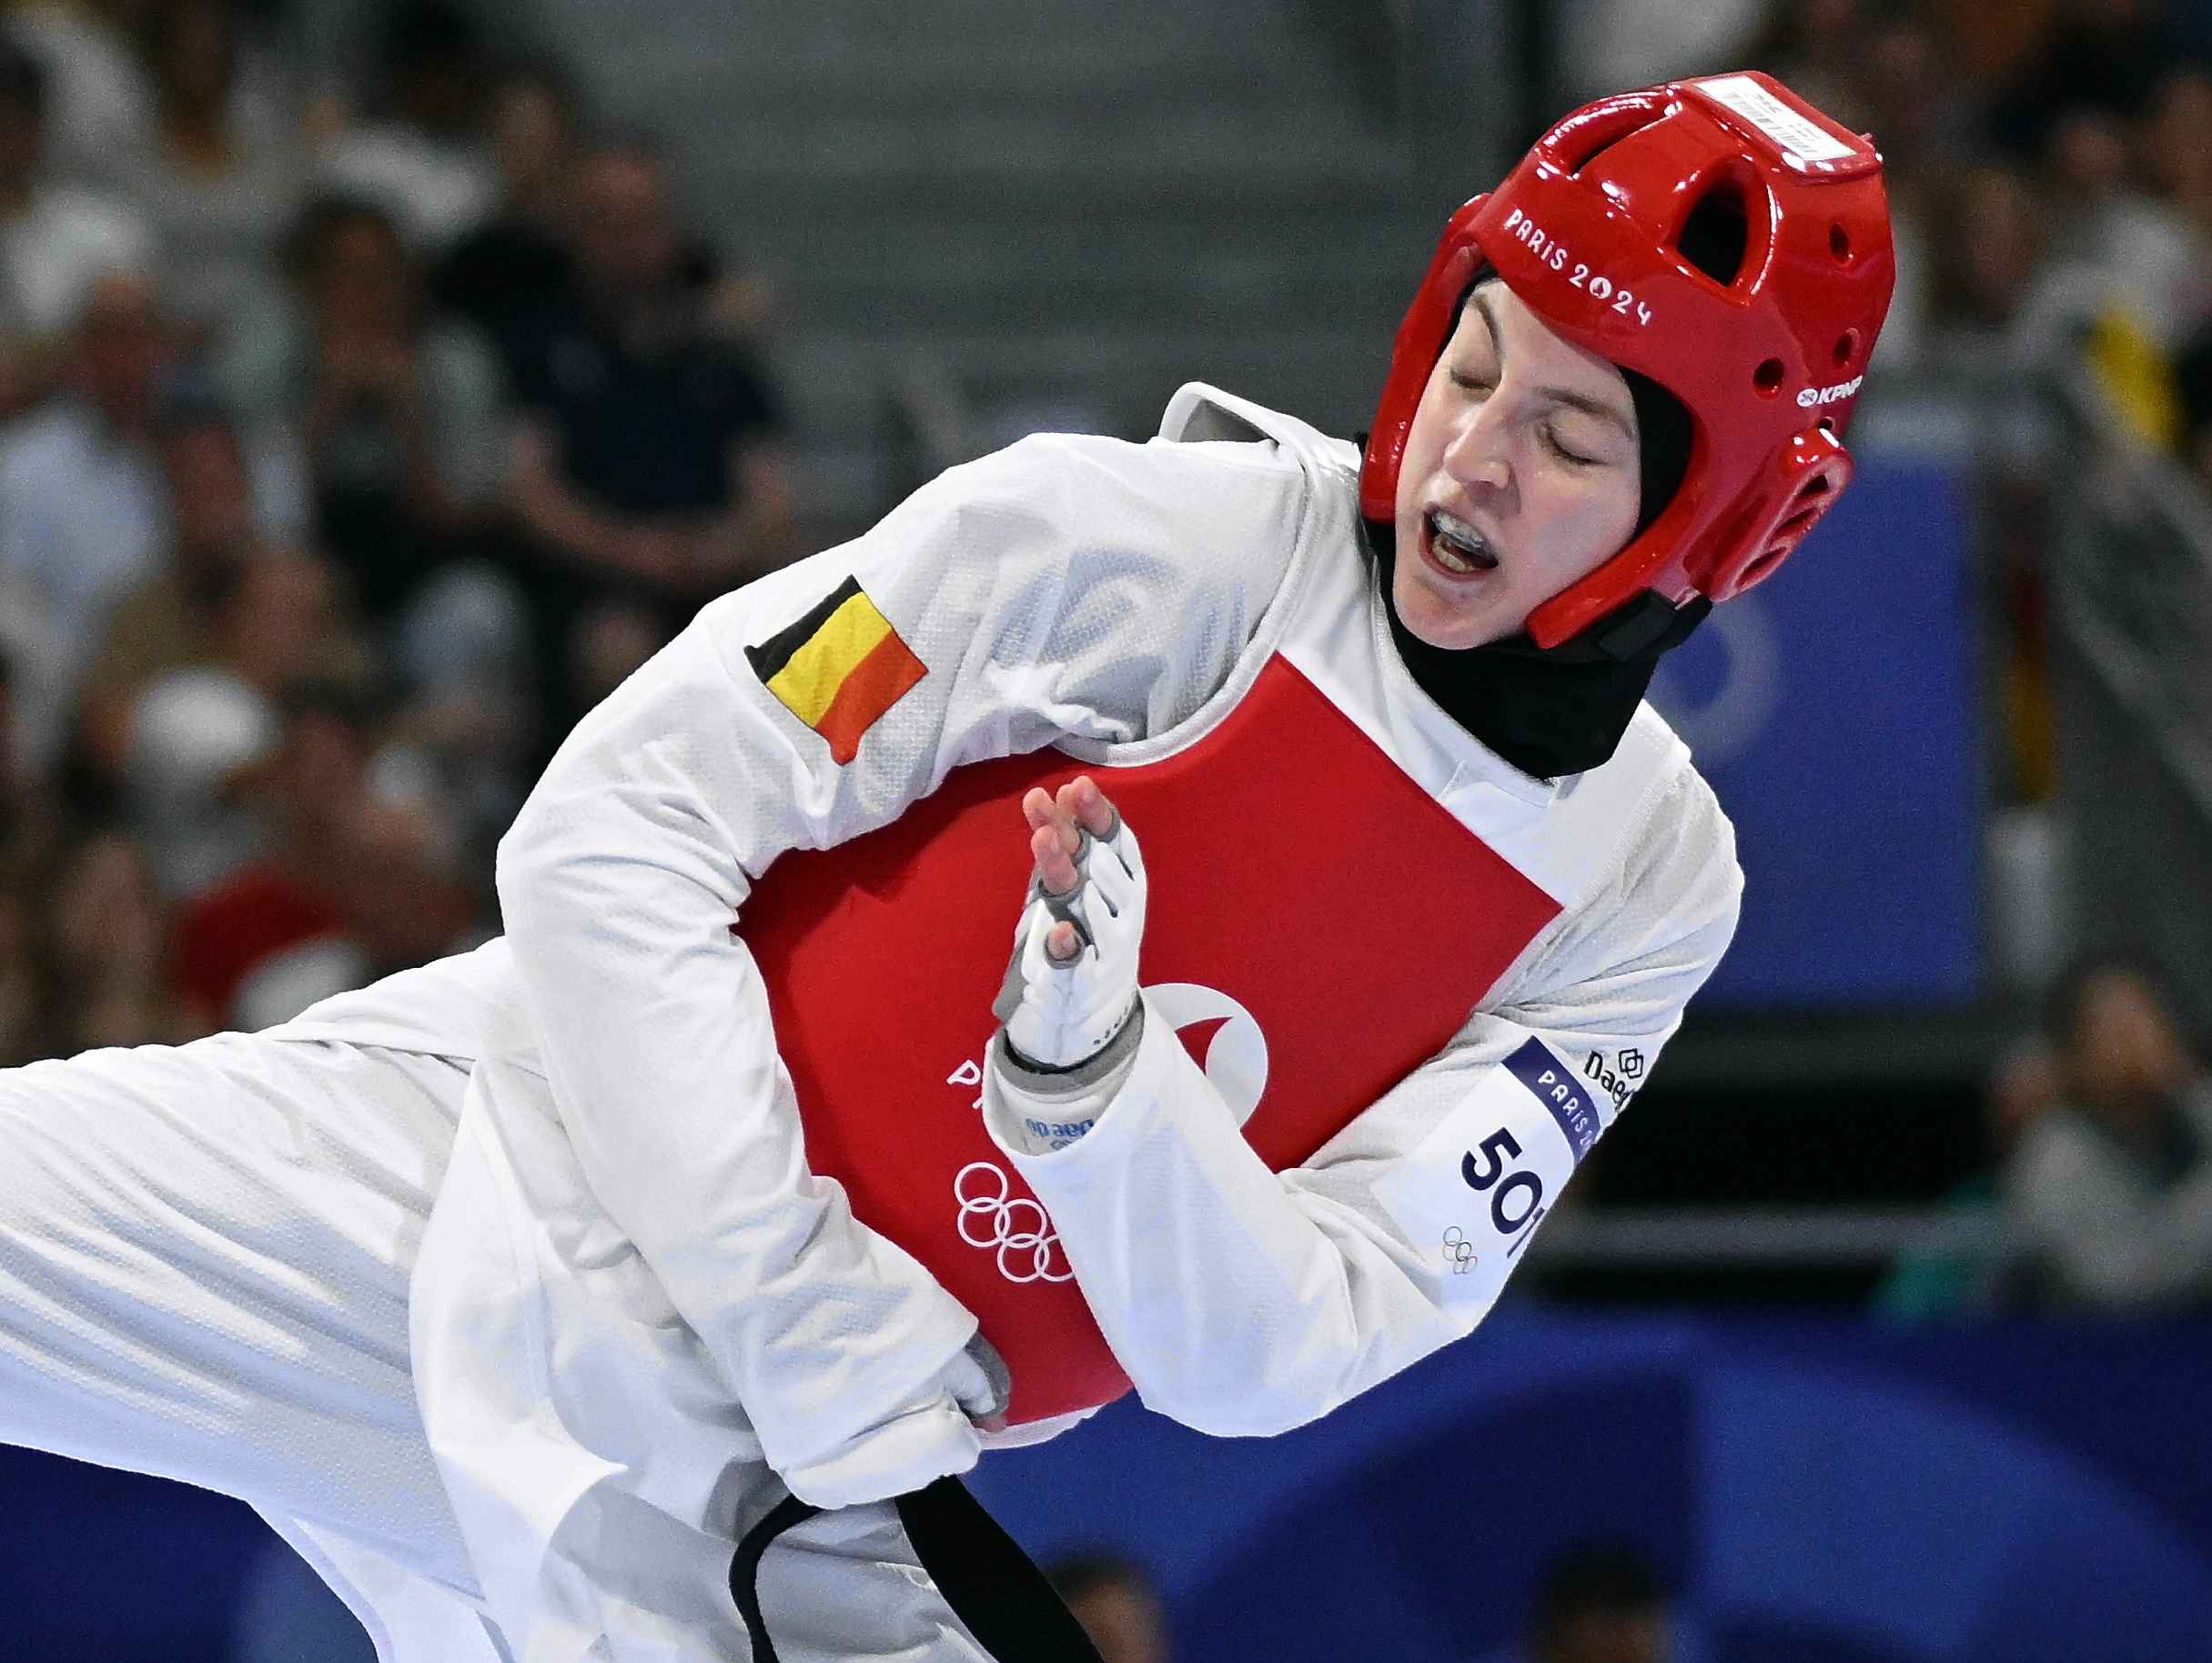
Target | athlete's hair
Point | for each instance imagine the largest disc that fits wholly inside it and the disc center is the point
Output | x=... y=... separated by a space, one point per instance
x=23 y=78
x=1083 y=1573
x=2069 y=990
x=309 y=242
x=1595 y=1580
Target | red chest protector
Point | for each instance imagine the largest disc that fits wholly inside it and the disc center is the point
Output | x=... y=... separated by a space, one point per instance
x=882 y=957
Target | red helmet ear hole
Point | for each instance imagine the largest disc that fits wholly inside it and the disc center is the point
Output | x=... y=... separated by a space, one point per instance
x=1838 y=242
x=1846 y=348
x=1763 y=565
x=1767 y=378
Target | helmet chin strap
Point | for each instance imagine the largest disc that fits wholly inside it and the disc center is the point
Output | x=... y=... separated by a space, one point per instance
x=1549 y=711
x=1642 y=627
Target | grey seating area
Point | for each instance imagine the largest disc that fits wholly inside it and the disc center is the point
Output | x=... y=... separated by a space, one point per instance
x=985 y=216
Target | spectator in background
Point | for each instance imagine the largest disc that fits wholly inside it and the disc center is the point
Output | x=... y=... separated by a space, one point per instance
x=2182 y=117
x=1602 y=46
x=83 y=504
x=1985 y=256
x=2101 y=58
x=164 y=621
x=19 y=997
x=351 y=885
x=1601 y=1603
x=426 y=163
x=219 y=172
x=2110 y=1191
x=13 y=796
x=28 y=823
x=2174 y=144
x=1905 y=93
x=1814 y=47
x=646 y=469
x=104 y=103
x=103 y=107
x=20 y=844
x=1118 y=1606
x=1973 y=1269
x=399 y=415
x=55 y=240
x=519 y=259
x=198 y=735
x=105 y=938
x=2193 y=378
x=2126 y=281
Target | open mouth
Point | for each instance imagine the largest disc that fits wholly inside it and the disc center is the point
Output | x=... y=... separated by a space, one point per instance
x=1454 y=546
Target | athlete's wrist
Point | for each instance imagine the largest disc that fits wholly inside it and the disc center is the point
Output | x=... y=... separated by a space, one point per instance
x=1061 y=1013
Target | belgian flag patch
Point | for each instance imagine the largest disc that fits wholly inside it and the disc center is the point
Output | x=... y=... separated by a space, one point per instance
x=838 y=669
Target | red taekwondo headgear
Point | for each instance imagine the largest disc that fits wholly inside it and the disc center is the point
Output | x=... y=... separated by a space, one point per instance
x=1589 y=231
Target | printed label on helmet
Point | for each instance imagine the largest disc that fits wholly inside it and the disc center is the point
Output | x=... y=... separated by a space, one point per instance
x=1550 y=252
x=1799 y=140
x=1811 y=397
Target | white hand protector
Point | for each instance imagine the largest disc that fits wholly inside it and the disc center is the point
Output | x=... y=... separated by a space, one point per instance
x=931 y=1438
x=1059 y=1015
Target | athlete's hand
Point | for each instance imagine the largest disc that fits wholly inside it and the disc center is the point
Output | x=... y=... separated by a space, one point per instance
x=980 y=1383
x=1056 y=824
x=928 y=1439
x=1072 y=980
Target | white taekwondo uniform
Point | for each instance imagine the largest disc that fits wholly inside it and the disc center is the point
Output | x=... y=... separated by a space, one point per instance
x=631 y=1305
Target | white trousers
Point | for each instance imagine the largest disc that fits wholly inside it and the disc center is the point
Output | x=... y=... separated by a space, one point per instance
x=205 y=1253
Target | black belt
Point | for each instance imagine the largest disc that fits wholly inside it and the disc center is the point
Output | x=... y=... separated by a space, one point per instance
x=990 y=1583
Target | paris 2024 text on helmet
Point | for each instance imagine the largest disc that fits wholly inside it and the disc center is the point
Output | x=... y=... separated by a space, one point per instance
x=1764 y=342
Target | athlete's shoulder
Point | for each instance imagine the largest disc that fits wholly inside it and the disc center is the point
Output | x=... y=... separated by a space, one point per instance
x=1684 y=856
x=1215 y=453
x=1233 y=431
x=1179 y=511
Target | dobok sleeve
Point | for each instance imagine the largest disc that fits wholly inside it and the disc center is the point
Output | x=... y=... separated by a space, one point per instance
x=991 y=613
x=1243 y=1301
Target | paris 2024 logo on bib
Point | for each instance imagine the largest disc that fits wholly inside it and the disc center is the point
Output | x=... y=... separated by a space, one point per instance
x=1225 y=1040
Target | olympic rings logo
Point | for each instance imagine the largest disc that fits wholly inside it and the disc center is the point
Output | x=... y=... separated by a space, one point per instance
x=1015 y=1227
x=1458 y=1252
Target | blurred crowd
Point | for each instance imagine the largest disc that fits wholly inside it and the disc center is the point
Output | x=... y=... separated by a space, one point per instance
x=2049 y=166
x=2048 y=162
x=350 y=445
x=2098 y=1192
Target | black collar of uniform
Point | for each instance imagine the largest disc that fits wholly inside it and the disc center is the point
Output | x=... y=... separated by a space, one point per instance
x=1549 y=711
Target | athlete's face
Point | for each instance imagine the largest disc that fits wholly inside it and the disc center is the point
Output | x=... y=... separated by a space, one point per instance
x=1521 y=475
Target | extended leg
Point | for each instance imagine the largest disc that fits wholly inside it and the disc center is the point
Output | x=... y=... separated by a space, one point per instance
x=204 y=1262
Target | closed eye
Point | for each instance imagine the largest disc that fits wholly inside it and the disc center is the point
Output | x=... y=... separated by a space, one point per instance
x=1575 y=457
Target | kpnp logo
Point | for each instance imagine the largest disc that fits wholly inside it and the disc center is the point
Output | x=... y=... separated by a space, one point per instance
x=1812 y=398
